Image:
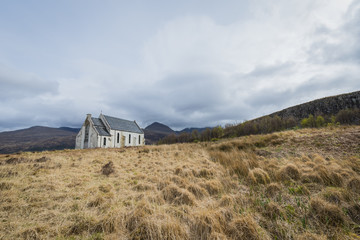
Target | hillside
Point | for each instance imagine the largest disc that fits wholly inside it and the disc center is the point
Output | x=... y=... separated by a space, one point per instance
x=37 y=139
x=159 y=127
x=302 y=184
x=156 y=131
x=325 y=106
x=189 y=130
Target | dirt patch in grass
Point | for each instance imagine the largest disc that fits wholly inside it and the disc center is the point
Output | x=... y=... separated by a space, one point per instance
x=108 y=168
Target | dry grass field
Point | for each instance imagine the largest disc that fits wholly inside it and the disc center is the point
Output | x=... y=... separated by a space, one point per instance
x=302 y=184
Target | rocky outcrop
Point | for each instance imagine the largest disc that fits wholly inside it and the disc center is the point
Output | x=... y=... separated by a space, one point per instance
x=325 y=106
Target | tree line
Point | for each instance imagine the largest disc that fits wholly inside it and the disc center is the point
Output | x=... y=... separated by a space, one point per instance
x=265 y=125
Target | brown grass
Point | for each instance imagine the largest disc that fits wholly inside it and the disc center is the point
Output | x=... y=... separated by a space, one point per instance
x=272 y=189
x=246 y=228
x=178 y=196
x=326 y=213
x=290 y=185
x=354 y=184
x=288 y=172
x=258 y=176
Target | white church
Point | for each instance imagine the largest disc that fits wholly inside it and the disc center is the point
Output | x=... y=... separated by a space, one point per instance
x=109 y=132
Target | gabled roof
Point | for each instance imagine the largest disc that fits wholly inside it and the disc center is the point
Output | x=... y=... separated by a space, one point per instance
x=100 y=127
x=123 y=125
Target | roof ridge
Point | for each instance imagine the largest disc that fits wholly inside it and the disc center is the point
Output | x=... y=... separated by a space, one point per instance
x=118 y=118
x=122 y=124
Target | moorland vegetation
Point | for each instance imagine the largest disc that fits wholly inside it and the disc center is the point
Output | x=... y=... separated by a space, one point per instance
x=294 y=184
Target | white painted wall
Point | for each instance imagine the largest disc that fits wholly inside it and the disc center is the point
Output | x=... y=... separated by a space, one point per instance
x=80 y=139
x=133 y=142
x=111 y=142
x=93 y=137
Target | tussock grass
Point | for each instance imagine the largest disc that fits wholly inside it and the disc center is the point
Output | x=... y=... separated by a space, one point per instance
x=178 y=196
x=277 y=186
x=246 y=228
x=326 y=213
x=353 y=184
x=288 y=172
x=272 y=189
x=258 y=176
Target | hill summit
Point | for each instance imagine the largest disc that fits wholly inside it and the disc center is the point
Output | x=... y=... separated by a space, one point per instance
x=159 y=127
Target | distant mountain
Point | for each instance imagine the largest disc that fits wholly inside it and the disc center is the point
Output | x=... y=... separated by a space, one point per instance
x=160 y=128
x=189 y=130
x=155 y=131
x=75 y=130
x=37 y=138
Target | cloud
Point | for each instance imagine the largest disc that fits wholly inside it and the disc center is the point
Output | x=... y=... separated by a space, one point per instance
x=340 y=44
x=196 y=70
x=200 y=72
x=16 y=84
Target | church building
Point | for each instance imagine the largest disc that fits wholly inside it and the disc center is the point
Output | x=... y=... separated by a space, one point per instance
x=109 y=132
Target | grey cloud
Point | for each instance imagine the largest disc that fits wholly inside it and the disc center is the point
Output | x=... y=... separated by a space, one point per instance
x=14 y=84
x=187 y=93
x=271 y=70
x=346 y=48
x=180 y=100
x=319 y=86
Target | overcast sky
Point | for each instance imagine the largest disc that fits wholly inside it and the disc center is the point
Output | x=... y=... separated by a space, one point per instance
x=183 y=63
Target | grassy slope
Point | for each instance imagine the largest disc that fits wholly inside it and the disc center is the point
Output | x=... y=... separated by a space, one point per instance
x=37 y=139
x=301 y=184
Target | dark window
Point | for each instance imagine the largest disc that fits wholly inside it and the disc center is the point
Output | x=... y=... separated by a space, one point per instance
x=104 y=141
x=129 y=138
x=139 y=139
x=118 y=138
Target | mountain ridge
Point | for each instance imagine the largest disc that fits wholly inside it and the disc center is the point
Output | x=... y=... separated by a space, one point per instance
x=39 y=138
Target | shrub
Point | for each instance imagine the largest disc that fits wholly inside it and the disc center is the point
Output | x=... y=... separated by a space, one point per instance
x=308 y=122
x=320 y=122
x=348 y=116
